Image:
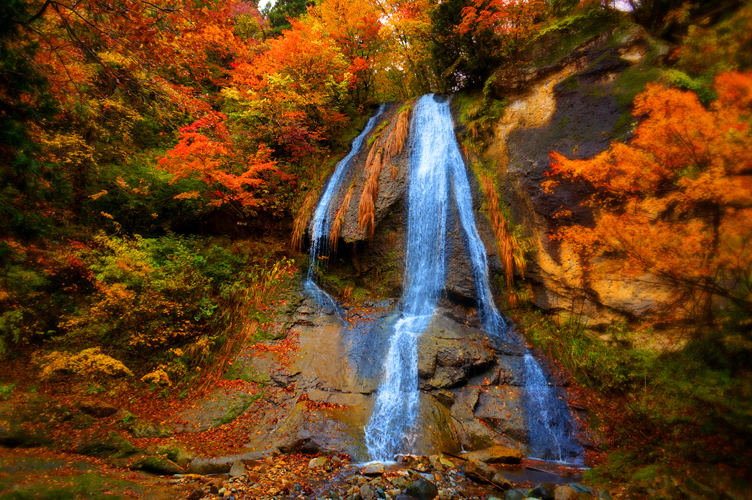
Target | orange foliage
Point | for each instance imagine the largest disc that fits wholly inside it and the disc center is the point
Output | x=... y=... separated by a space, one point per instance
x=381 y=154
x=203 y=152
x=515 y=21
x=676 y=202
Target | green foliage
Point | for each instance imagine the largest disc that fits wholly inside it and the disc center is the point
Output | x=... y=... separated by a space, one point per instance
x=238 y=409
x=6 y=391
x=159 y=303
x=25 y=180
x=562 y=35
x=480 y=112
x=281 y=11
x=702 y=86
x=693 y=401
x=595 y=364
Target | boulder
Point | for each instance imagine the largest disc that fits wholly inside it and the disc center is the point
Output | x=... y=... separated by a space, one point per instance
x=422 y=489
x=479 y=471
x=495 y=455
x=565 y=493
x=544 y=491
x=318 y=462
x=374 y=469
x=238 y=469
x=516 y=494
x=501 y=482
x=97 y=409
x=156 y=465
x=113 y=446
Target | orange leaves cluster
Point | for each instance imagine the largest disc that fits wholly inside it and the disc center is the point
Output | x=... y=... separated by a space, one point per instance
x=515 y=21
x=677 y=201
x=204 y=150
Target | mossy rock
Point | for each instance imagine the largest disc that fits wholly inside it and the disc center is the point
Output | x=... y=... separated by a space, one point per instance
x=13 y=435
x=156 y=465
x=144 y=429
x=114 y=446
x=176 y=454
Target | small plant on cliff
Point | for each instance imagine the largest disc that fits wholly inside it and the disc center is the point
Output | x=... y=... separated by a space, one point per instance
x=510 y=243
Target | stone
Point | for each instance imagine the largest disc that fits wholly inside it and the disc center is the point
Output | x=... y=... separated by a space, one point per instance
x=479 y=471
x=206 y=466
x=238 y=469
x=114 y=446
x=422 y=489
x=444 y=397
x=495 y=455
x=544 y=491
x=97 y=409
x=501 y=482
x=404 y=497
x=318 y=462
x=156 y=465
x=196 y=494
x=580 y=487
x=374 y=469
x=565 y=493
x=367 y=492
x=516 y=494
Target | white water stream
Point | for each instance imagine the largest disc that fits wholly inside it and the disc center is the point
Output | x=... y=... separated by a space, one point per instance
x=436 y=172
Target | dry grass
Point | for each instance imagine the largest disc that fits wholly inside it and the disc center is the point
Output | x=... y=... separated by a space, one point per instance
x=302 y=219
x=381 y=154
x=511 y=251
x=339 y=219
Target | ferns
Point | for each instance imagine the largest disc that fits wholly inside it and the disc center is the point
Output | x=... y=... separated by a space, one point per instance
x=339 y=219
x=301 y=220
x=510 y=245
x=381 y=154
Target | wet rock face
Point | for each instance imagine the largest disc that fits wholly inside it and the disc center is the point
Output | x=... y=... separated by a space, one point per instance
x=449 y=353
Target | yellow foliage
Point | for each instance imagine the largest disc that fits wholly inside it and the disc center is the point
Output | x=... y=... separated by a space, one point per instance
x=157 y=377
x=189 y=195
x=301 y=220
x=91 y=363
x=381 y=154
x=339 y=219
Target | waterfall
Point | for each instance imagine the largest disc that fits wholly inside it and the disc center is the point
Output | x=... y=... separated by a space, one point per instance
x=550 y=428
x=435 y=160
x=321 y=221
x=391 y=427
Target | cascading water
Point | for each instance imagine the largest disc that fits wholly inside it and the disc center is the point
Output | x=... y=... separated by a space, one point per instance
x=549 y=425
x=550 y=429
x=392 y=422
x=321 y=221
x=435 y=157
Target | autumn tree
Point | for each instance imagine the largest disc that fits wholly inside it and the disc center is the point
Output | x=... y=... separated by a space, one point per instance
x=282 y=11
x=116 y=73
x=675 y=204
x=404 y=61
x=512 y=22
